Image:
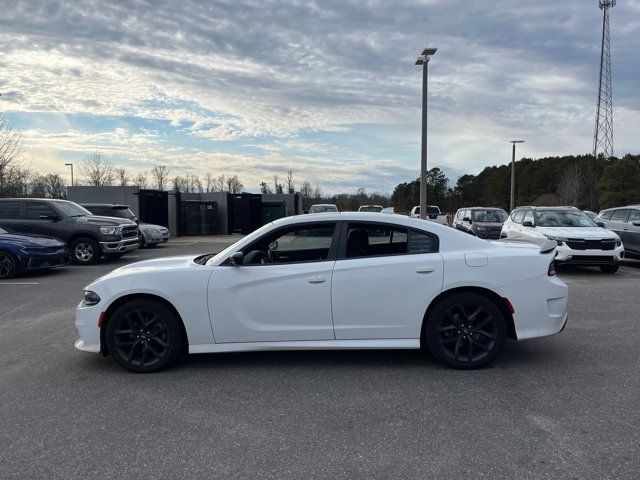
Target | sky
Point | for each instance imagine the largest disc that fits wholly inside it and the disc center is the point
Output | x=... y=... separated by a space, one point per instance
x=326 y=88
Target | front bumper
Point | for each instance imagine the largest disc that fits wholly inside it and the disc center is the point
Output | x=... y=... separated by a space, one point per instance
x=87 y=326
x=569 y=256
x=124 y=245
x=43 y=261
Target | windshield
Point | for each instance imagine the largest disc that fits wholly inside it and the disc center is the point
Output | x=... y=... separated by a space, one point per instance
x=71 y=209
x=122 y=213
x=430 y=210
x=370 y=209
x=323 y=208
x=563 y=218
x=496 y=216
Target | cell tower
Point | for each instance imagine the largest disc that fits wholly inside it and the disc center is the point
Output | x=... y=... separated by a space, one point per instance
x=603 y=136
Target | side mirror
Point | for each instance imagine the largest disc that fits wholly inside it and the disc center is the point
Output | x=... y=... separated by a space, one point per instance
x=636 y=223
x=600 y=224
x=466 y=219
x=527 y=224
x=54 y=218
x=236 y=259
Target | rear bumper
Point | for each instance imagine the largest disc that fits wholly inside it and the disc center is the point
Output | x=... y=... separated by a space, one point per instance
x=540 y=305
x=125 y=245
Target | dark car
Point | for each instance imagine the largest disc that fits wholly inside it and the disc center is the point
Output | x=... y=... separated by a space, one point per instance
x=89 y=236
x=20 y=253
x=625 y=221
x=480 y=221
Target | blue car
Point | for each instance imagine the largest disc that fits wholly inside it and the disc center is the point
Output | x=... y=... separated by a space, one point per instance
x=20 y=253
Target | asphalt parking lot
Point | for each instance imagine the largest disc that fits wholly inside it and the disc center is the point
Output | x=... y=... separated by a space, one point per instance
x=560 y=407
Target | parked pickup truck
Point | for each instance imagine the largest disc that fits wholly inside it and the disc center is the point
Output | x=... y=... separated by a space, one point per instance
x=433 y=214
x=89 y=236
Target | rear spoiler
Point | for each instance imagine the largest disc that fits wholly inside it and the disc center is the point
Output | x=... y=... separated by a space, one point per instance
x=545 y=244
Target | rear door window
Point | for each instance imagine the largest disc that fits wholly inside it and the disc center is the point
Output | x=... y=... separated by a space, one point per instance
x=10 y=210
x=620 y=216
x=375 y=240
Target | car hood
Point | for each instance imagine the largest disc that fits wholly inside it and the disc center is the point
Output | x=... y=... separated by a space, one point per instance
x=30 y=240
x=99 y=220
x=144 y=226
x=154 y=265
x=578 y=232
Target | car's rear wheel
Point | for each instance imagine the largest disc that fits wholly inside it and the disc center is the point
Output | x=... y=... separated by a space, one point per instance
x=144 y=336
x=8 y=265
x=610 y=268
x=466 y=331
x=85 y=251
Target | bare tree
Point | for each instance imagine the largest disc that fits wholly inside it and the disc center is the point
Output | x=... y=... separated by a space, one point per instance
x=289 y=182
x=122 y=176
x=160 y=174
x=234 y=185
x=264 y=188
x=219 y=184
x=141 y=180
x=306 y=190
x=571 y=188
x=277 y=186
x=12 y=173
x=209 y=182
x=97 y=170
x=51 y=185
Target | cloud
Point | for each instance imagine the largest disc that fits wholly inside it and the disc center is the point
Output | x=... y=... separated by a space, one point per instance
x=251 y=79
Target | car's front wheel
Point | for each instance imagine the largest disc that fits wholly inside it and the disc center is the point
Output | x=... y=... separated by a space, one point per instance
x=144 y=336
x=465 y=330
x=8 y=265
x=85 y=251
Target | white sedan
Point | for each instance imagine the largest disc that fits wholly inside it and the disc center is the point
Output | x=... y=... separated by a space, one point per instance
x=329 y=281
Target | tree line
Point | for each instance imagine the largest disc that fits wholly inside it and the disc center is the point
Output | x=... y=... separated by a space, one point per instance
x=582 y=181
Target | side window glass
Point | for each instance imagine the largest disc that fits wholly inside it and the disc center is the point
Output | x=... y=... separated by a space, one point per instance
x=35 y=209
x=606 y=215
x=303 y=243
x=634 y=216
x=421 y=243
x=518 y=216
x=375 y=239
x=460 y=214
x=10 y=210
x=620 y=216
x=528 y=217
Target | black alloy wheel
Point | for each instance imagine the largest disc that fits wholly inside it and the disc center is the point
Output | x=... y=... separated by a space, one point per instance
x=144 y=336
x=8 y=265
x=466 y=331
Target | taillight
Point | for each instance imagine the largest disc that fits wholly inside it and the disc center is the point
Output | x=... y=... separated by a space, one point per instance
x=552 y=269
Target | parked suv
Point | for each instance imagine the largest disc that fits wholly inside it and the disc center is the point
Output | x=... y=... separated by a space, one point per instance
x=149 y=235
x=89 y=237
x=625 y=221
x=479 y=221
x=580 y=239
x=433 y=214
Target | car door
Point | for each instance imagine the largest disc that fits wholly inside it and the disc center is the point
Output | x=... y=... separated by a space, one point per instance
x=383 y=281
x=35 y=211
x=631 y=231
x=12 y=216
x=618 y=222
x=281 y=292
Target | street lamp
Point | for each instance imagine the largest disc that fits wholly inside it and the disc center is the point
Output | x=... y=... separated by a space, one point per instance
x=513 y=174
x=70 y=165
x=424 y=61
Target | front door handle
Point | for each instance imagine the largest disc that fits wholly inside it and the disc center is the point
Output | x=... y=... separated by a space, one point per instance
x=424 y=269
x=317 y=279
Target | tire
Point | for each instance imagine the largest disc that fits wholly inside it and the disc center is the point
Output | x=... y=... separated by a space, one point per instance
x=141 y=242
x=144 y=336
x=610 y=268
x=8 y=265
x=465 y=331
x=85 y=251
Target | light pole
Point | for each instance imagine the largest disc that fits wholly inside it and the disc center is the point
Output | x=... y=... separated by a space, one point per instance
x=424 y=61
x=70 y=165
x=512 y=204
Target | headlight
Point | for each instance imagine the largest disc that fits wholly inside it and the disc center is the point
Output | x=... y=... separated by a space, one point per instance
x=90 y=298
x=618 y=242
x=110 y=230
x=560 y=240
x=33 y=249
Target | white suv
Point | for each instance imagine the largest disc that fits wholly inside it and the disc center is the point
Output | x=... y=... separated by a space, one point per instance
x=580 y=240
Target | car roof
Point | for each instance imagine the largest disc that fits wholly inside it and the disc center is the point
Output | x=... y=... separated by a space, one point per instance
x=110 y=205
x=482 y=208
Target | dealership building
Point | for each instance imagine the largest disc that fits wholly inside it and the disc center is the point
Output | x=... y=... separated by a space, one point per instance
x=214 y=213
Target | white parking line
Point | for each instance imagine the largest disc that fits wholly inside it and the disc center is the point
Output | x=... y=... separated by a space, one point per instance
x=19 y=283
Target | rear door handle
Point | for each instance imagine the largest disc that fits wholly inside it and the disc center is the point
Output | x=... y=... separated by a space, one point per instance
x=316 y=279
x=424 y=269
